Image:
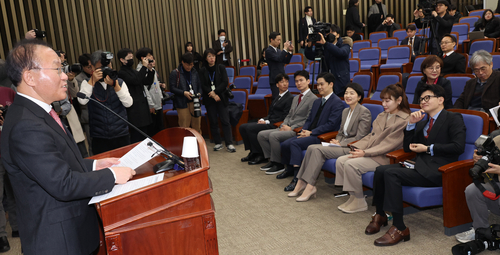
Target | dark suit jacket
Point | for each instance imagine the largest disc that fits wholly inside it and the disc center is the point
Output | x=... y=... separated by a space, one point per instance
x=352 y=19
x=52 y=183
x=303 y=30
x=228 y=49
x=337 y=56
x=279 y=108
x=447 y=135
x=220 y=82
x=390 y=29
x=355 y=37
x=443 y=82
x=454 y=63
x=416 y=43
x=330 y=117
x=276 y=61
x=178 y=84
x=490 y=96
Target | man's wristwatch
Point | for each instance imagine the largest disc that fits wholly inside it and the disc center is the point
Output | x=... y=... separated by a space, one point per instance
x=428 y=150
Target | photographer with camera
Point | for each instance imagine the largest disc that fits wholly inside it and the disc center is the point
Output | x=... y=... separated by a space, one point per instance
x=106 y=130
x=479 y=205
x=336 y=54
x=388 y=25
x=276 y=59
x=441 y=24
x=215 y=97
x=186 y=86
x=138 y=113
x=154 y=89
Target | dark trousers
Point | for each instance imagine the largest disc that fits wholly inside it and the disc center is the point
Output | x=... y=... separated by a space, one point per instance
x=222 y=111
x=388 y=182
x=100 y=145
x=275 y=91
x=249 y=132
x=291 y=149
x=157 y=124
x=135 y=136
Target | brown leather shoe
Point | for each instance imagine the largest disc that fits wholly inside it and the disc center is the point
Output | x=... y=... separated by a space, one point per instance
x=377 y=222
x=393 y=236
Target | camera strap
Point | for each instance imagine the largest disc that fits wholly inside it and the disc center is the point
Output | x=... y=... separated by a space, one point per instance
x=487 y=193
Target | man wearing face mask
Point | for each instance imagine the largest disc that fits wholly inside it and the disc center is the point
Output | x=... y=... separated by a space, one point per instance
x=138 y=113
x=223 y=48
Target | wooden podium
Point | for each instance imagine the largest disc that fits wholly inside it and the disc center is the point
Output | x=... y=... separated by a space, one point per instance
x=173 y=216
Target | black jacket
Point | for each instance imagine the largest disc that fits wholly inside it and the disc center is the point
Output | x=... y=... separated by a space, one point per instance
x=220 y=82
x=444 y=27
x=447 y=135
x=178 y=85
x=279 y=108
x=416 y=43
x=138 y=113
x=491 y=29
x=304 y=30
x=454 y=63
x=389 y=29
x=276 y=60
x=443 y=82
x=352 y=19
x=228 y=49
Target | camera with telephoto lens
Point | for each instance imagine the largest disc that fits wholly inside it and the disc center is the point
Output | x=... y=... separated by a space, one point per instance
x=427 y=6
x=486 y=239
x=491 y=154
x=196 y=105
x=39 y=33
x=229 y=92
x=319 y=28
x=75 y=68
x=106 y=58
x=4 y=111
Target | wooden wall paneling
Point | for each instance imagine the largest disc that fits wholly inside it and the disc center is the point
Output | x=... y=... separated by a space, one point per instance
x=59 y=31
x=249 y=17
x=31 y=22
x=173 y=34
x=6 y=28
x=15 y=18
x=50 y=29
x=66 y=29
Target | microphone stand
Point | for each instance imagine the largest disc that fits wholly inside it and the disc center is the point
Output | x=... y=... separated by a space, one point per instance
x=170 y=156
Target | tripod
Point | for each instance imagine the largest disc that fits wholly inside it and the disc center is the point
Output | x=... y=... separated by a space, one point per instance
x=427 y=24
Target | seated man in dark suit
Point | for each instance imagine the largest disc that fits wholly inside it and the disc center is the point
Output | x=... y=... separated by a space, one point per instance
x=349 y=31
x=412 y=40
x=276 y=59
x=437 y=142
x=452 y=62
x=325 y=116
x=481 y=93
x=388 y=25
x=277 y=112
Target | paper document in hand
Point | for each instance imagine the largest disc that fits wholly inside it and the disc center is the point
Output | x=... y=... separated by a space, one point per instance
x=140 y=154
x=119 y=189
x=329 y=144
x=494 y=113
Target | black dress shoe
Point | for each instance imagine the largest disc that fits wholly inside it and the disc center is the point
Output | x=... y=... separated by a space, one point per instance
x=284 y=175
x=292 y=184
x=258 y=160
x=249 y=157
x=15 y=233
x=4 y=244
x=276 y=169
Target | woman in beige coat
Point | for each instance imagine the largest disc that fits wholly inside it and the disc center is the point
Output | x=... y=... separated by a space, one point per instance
x=356 y=123
x=369 y=152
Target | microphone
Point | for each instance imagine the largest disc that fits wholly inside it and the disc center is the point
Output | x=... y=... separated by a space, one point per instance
x=160 y=167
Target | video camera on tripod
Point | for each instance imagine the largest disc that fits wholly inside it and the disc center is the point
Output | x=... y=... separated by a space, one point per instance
x=427 y=6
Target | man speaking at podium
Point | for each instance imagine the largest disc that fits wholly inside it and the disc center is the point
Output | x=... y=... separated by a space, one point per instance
x=52 y=183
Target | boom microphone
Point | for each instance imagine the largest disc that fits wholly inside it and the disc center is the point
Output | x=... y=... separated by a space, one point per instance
x=159 y=167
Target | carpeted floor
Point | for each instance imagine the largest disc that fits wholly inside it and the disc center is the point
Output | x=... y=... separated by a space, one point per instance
x=255 y=216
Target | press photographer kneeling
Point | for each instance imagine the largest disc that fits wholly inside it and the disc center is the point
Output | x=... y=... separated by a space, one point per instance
x=482 y=198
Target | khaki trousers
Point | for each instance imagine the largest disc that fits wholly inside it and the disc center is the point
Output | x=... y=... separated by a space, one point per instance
x=316 y=156
x=187 y=120
x=349 y=171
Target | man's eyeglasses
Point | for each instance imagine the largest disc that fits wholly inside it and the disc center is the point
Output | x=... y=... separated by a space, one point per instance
x=478 y=70
x=426 y=98
x=59 y=69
